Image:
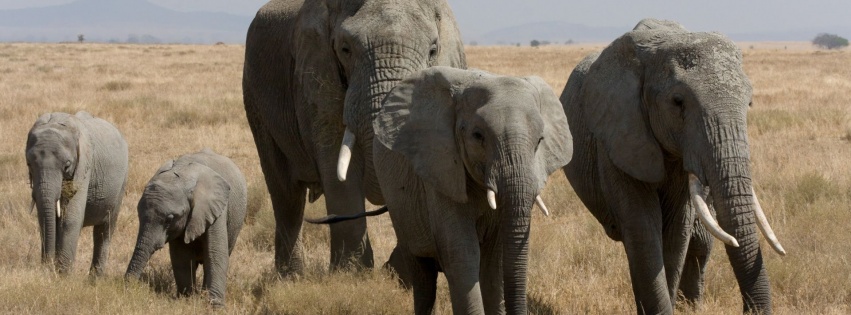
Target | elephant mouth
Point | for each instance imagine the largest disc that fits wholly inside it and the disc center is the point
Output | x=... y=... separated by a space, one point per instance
x=491 y=195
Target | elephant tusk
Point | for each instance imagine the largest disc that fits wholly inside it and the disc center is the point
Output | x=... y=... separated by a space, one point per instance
x=766 y=230
x=491 y=199
x=58 y=209
x=540 y=203
x=703 y=214
x=345 y=155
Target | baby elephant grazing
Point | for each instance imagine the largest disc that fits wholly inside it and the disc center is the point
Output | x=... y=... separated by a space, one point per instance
x=197 y=204
x=78 y=169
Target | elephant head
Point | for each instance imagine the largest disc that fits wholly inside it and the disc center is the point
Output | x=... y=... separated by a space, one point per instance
x=354 y=52
x=58 y=154
x=683 y=96
x=180 y=201
x=467 y=132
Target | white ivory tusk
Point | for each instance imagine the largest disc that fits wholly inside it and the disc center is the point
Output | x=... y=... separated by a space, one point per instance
x=695 y=187
x=540 y=203
x=492 y=199
x=58 y=209
x=762 y=223
x=345 y=155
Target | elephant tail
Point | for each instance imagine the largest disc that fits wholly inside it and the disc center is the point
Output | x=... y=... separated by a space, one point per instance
x=331 y=219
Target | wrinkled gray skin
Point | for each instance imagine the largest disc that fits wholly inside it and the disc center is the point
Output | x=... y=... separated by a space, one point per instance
x=658 y=103
x=82 y=162
x=446 y=136
x=314 y=69
x=196 y=204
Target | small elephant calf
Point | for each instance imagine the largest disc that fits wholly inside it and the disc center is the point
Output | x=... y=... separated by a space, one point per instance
x=196 y=204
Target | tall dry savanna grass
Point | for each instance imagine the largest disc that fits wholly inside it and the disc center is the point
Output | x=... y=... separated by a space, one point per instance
x=171 y=100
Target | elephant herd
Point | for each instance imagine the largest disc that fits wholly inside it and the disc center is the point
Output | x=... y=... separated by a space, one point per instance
x=371 y=100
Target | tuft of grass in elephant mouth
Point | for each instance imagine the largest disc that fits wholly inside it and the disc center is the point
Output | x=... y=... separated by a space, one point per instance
x=68 y=190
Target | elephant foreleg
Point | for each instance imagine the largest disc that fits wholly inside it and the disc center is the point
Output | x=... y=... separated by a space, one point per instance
x=183 y=266
x=216 y=262
x=424 y=282
x=490 y=276
x=636 y=206
x=696 y=260
x=102 y=235
x=350 y=245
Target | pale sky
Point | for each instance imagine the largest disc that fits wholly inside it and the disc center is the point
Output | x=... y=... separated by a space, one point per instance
x=480 y=16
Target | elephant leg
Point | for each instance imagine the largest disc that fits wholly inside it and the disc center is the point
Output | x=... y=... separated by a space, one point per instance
x=216 y=262
x=400 y=264
x=676 y=234
x=67 y=248
x=490 y=276
x=101 y=236
x=288 y=202
x=183 y=266
x=459 y=255
x=424 y=282
x=694 y=269
x=636 y=206
x=350 y=245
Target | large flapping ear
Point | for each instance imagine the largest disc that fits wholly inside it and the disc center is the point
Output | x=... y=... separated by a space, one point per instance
x=84 y=147
x=208 y=199
x=417 y=119
x=556 y=149
x=314 y=58
x=612 y=109
x=451 y=49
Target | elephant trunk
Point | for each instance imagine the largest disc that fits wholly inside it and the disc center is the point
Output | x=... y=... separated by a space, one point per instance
x=515 y=198
x=46 y=194
x=728 y=174
x=385 y=66
x=145 y=247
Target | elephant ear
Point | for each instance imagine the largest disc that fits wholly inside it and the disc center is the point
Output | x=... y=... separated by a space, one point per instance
x=417 y=119
x=208 y=199
x=168 y=165
x=613 y=111
x=556 y=149
x=322 y=80
x=451 y=49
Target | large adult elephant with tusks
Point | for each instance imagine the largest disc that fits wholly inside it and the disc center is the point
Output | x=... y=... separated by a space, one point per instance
x=315 y=74
x=658 y=116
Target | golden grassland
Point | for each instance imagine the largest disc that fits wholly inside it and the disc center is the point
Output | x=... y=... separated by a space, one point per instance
x=174 y=99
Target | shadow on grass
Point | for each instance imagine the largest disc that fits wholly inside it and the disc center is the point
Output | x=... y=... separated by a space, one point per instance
x=160 y=279
x=539 y=307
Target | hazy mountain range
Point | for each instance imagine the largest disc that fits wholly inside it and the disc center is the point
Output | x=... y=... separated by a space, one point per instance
x=120 y=20
x=141 y=21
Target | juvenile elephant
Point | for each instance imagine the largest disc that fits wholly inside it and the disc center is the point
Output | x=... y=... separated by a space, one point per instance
x=78 y=169
x=314 y=77
x=461 y=157
x=657 y=116
x=196 y=204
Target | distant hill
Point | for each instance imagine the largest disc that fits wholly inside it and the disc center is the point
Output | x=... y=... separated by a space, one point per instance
x=120 y=20
x=559 y=32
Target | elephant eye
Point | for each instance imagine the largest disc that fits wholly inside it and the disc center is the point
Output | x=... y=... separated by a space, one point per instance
x=478 y=136
x=678 y=100
x=432 y=52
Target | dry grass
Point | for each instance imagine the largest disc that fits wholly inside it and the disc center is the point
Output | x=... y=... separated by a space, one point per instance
x=170 y=100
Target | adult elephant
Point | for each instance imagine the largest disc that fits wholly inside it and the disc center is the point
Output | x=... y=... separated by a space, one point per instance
x=315 y=74
x=78 y=170
x=656 y=116
x=464 y=155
